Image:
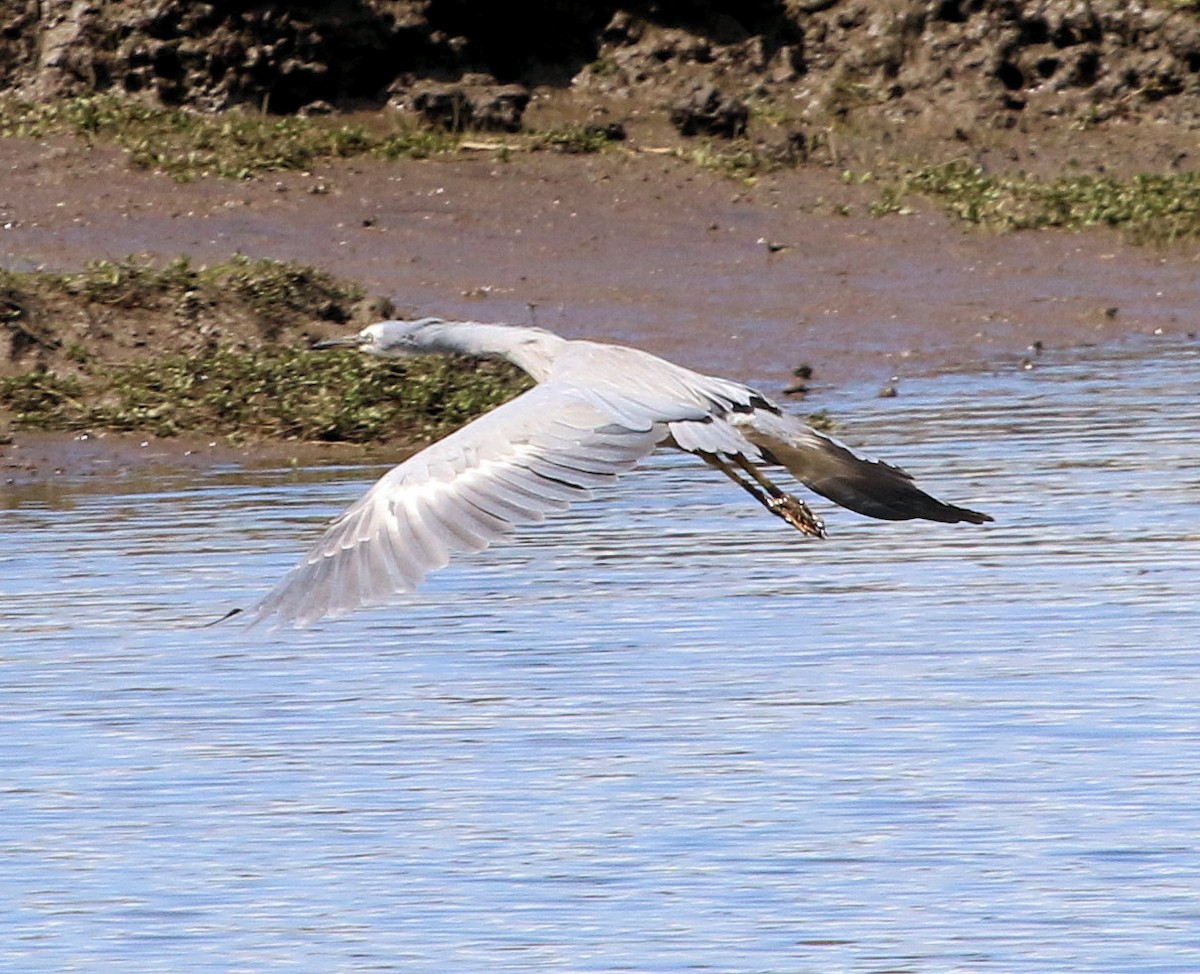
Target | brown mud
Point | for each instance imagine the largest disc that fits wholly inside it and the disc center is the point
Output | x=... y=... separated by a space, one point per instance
x=635 y=245
x=748 y=281
x=47 y=467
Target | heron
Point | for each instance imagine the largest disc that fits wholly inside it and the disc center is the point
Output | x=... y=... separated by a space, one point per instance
x=595 y=410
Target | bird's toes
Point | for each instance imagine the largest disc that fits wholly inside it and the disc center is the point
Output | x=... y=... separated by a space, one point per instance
x=797 y=514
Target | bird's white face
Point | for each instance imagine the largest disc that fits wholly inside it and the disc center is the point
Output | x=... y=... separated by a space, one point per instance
x=386 y=339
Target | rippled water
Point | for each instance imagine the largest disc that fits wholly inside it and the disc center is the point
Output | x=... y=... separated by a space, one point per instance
x=660 y=733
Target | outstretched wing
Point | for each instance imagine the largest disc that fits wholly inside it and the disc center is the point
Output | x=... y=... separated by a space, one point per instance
x=833 y=470
x=533 y=455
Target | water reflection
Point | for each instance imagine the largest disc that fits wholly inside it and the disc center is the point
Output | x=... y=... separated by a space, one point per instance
x=658 y=734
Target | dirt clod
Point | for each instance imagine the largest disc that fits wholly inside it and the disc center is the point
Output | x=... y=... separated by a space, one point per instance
x=705 y=111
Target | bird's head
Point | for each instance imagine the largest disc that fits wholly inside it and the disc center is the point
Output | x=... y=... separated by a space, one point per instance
x=387 y=339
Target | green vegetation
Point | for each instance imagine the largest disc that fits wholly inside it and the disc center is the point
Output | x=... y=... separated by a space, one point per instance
x=1149 y=208
x=270 y=289
x=272 y=392
x=238 y=363
x=237 y=145
x=604 y=67
x=742 y=160
x=579 y=139
x=128 y=283
x=233 y=145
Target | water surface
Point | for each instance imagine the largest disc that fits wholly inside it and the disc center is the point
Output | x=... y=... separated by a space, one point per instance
x=660 y=733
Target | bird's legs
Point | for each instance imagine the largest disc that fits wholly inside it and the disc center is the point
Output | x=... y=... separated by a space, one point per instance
x=776 y=500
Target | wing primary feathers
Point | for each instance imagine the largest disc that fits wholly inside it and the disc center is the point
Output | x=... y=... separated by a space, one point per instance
x=520 y=499
x=545 y=483
x=571 y=475
x=497 y=505
x=459 y=537
x=436 y=555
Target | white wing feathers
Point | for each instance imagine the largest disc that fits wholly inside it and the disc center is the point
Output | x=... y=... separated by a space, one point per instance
x=531 y=456
x=632 y=384
x=714 y=436
x=598 y=410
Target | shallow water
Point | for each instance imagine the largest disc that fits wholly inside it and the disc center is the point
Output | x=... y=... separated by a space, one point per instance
x=659 y=733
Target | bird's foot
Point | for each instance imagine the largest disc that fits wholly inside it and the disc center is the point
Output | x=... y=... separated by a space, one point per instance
x=797 y=514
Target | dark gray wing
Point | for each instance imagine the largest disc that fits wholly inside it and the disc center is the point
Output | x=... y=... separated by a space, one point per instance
x=833 y=470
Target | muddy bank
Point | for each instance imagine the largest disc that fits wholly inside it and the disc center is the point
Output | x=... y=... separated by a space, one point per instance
x=48 y=467
x=746 y=280
x=747 y=277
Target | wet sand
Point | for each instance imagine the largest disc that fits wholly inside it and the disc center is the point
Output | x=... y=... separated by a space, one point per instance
x=44 y=466
x=749 y=281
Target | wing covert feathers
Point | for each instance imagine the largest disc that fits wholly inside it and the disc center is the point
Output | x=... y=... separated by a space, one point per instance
x=526 y=459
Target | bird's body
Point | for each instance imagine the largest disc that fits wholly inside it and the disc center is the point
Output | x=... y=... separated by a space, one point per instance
x=595 y=411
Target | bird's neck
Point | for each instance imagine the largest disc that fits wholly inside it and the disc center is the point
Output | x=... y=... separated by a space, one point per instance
x=529 y=349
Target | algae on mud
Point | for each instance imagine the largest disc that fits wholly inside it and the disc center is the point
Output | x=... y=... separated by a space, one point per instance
x=239 y=367
x=1148 y=208
x=238 y=145
x=280 y=393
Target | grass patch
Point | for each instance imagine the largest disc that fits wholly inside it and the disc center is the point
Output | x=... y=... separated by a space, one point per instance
x=128 y=283
x=741 y=160
x=272 y=291
x=234 y=145
x=238 y=145
x=576 y=139
x=1148 y=208
x=275 y=392
x=222 y=350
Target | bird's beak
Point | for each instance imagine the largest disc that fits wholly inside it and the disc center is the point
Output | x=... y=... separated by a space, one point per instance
x=347 y=341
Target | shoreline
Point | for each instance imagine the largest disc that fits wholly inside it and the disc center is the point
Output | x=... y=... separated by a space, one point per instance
x=37 y=464
x=745 y=281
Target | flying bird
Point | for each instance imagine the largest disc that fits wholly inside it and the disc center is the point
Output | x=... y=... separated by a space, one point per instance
x=596 y=411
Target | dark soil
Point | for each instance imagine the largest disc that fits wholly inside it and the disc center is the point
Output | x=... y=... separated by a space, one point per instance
x=955 y=62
